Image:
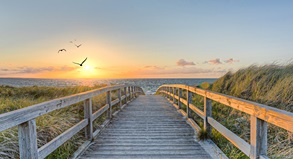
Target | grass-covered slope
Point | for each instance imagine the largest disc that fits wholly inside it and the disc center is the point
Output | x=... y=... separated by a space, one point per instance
x=49 y=125
x=270 y=85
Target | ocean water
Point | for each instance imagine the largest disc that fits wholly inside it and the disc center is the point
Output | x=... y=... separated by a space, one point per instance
x=148 y=85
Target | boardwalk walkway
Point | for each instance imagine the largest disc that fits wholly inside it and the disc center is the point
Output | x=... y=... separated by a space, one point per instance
x=149 y=127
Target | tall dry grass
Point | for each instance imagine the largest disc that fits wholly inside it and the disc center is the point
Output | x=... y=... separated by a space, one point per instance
x=270 y=85
x=49 y=125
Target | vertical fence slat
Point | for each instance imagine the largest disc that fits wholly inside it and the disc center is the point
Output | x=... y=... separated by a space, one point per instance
x=129 y=99
x=125 y=94
x=189 y=100
x=119 y=97
x=88 y=115
x=179 y=96
x=109 y=103
x=173 y=95
x=258 y=137
x=27 y=137
x=207 y=113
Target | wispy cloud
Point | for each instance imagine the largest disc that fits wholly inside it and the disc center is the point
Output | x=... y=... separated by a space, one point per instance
x=231 y=61
x=154 y=67
x=34 y=70
x=175 y=72
x=182 y=62
x=216 y=61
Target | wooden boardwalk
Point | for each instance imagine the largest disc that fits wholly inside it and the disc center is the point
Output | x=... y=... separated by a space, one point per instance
x=149 y=127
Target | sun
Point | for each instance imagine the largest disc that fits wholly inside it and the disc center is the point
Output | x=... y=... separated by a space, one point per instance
x=87 y=67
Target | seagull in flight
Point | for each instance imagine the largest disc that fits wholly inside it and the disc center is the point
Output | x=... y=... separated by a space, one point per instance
x=78 y=45
x=80 y=64
x=61 y=50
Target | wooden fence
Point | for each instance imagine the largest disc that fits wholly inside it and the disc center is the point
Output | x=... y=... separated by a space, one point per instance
x=260 y=116
x=25 y=119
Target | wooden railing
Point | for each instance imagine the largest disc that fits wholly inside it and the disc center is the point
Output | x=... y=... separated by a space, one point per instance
x=260 y=116
x=25 y=119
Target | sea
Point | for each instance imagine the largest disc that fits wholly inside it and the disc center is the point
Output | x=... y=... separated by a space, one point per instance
x=149 y=85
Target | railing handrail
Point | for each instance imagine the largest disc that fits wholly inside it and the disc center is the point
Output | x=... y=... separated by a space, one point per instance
x=25 y=118
x=278 y=117
x=260 y=115
x=16 y=117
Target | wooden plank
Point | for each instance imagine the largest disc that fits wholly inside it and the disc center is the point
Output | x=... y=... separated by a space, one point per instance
x=100 y=111
x=193 y=108
x=189 y=101
x=258 y=137
x=207 y=113
x=62 y=138
x=88 y=116
x=105 y=123
x=109 y=102
x=179 y=97
x=27 y=139
x=14 y=118
x=234 y=139
x=113 y=102
x=81 y=149
x=269 y=114
x=119 y=98
x=193 y=124
x=125 y=94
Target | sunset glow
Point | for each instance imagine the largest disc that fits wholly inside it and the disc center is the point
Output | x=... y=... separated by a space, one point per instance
x=198 y=39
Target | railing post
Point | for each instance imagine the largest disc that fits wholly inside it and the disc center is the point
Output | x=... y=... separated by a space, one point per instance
x=27 y=137
x=258 y=137
x=88 y=115
x=119 y=97
x=173 y=95
x=125 y=94
x=179 y=97
x=109 y=103
x=189 y=101
x=207 y=113
x=129 y=93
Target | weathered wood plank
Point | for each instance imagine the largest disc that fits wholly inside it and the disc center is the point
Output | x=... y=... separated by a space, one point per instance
x=272 y=115
x=189 y=101
x=192 y=107
x=258 y=137
x=113 y=102
x=27 y=138
x=100 y=111
x=120 y=98
x=62 y=138
x=14 y=118
x=207 y=114
x=109 y=102
x=88 y=116
x=233 y=138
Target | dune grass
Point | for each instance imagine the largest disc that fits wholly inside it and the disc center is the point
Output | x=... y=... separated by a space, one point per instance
x=270 y=85
x=49 y=125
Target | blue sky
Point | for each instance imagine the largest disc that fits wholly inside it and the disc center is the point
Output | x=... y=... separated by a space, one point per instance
x=135 y=38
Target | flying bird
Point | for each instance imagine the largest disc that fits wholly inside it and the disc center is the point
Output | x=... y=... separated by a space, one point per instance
x=78 y=45
x=61 y=50
x=80 y=64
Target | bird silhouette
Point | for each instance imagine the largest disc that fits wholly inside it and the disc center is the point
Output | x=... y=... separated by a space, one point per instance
x=61 y=50
x=80 y=64
x=78 y=45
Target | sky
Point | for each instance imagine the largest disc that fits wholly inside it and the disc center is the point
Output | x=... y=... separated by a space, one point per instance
x=142 y=39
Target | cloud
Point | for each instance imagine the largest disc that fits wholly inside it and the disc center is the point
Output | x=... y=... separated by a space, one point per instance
x=182 y=62
x=34 y=70
x=216 y=61
x=182 y=71
x=231 y=61
x=154 y=67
